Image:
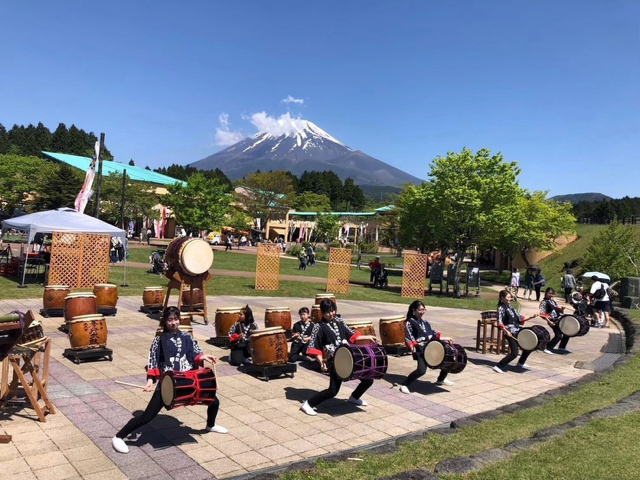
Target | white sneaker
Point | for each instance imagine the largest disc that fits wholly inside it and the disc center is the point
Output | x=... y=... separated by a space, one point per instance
x=497 y=369
x=217 y=429
x=306 y=408
x=358 y=401
x=446 y=382
x=548 y=352
x=525 y=366
x=119 y=445
x=404 y=389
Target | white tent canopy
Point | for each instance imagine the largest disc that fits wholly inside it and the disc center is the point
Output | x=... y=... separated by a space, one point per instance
x=61 y=220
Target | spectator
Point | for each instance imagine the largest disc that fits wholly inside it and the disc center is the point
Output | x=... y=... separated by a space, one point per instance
x=538 y=282
x=569 y=283
x=311 y=256
x=228 y=243
x=515 y=282
x=148 y=236
x=602 y=304
x=375 y=266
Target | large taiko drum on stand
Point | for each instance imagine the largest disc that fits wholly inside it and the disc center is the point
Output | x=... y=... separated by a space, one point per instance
x=192 y=256
x=322 y=296
x=78 y=304
x=365 y=327
x=87 y=331
x=316 y=314
x=269 y=347
x=573 y=325
x=360 y=362
x=106 y=295
x=193 y=387
x=198 y=298
x=532 y=338
x=153 y=297
x=225 y=319
x=392 y=330
x=446 y=356
x=54 y=295
x=278 y=317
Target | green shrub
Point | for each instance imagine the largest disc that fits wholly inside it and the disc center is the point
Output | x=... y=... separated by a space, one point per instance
x=323 y=256
x=295 y=251
x=369 y=248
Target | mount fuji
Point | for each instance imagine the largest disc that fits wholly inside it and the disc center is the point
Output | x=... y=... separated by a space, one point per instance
x=299 y=147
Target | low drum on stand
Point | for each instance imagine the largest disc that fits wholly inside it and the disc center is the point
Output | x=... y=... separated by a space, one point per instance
x=54 y=295
x=360 y=362
x=153 y=297
x=532 y=338
x=183 y=328
x=192 y=256
x=78 y=304
x=392 y=330
x=106 y=297
x=278 y=317
x=450 y=357
x=87 y=331
x=573 y=326
x=316 y=314
x=364 y=327
x=269 y=347
x=198 y=298
x=322 y=296
x=33 y=334
x=193 y=387
x=225 y=319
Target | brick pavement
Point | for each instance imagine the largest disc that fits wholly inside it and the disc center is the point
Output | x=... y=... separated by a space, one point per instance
x=266 y=428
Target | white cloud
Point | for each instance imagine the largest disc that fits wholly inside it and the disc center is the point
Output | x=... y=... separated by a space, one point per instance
x=290 y=99
x=283 y=125
x=224 y=136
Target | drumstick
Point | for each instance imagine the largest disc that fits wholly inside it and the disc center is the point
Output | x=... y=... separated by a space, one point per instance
x=215 y=374
x=130 y=384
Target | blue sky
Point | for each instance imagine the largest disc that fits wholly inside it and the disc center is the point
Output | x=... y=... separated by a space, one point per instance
x=552 y=85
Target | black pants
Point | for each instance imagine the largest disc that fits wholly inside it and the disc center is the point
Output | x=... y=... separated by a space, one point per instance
x=513 y=353
x=537 y=288
x=558 y=336
x=335 y=383
x=154 y=407
x=227 y=247
x=421 y=370
x=298 y=351
x=239 y=353
x=567 y=294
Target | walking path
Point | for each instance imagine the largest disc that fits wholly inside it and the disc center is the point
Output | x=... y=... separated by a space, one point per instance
x=266 y=428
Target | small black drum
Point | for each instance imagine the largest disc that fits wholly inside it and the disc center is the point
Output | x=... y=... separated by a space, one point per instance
x=573 y=326
x=360 y=362
x=532 y=338
x=446 y=356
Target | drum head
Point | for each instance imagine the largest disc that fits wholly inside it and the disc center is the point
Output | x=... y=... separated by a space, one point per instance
x=196 y=257
x=569 y=325
x=527 y=339
x=166 y=391
x=343 y=362
x=434 y=354
x=267 y=331
x=395 y=318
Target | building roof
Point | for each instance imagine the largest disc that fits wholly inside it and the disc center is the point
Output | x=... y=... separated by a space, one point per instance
x=346 y=214
x=134 y=173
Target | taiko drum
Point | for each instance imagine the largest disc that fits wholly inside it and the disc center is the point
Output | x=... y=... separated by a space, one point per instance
x=87 y=331
x=364 y=327
x=106 y=295
x=278 y=317
x=198 y=298
x=392 y=330
x=316 y=314
x=192 y=256
x=183 y=328
x=225 y=319
x=54 y=295
x=322 y=296
x=153 y=297
x=269 y=347
x=78 y=304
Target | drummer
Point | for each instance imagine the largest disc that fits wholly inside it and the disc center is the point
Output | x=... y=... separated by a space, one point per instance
x=417 y=333
x=239 y=335
x=551 y=311
x=326 y=337
x=184 y=354
x=510 y=321
x=301 y=336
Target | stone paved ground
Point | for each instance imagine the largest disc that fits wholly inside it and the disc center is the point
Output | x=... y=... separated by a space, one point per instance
x=266 y=428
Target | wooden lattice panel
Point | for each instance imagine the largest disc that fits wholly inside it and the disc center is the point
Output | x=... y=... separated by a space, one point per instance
x=79 y=260
x=414 y=276
x=339 y=270
x=268 y=266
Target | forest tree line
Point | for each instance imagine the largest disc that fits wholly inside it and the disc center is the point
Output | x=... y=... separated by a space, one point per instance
x=626 y=210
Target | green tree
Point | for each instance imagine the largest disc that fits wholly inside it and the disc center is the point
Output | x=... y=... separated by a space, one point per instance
x=352 y=196
x=312 y=202
x=326 y=227
x=60 y=188
x=200 y=205
x=139 y=200
x=266 y=195
x=21 y=178
x=615 y=251
x=415 y=206
x=132 y=163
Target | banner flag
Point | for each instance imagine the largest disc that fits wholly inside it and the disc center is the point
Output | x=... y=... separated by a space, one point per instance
x=85 y=192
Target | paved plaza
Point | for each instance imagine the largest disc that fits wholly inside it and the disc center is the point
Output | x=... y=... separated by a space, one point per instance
x=266 y=427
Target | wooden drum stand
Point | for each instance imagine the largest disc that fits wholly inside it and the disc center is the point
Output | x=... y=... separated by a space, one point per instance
x=180 y=281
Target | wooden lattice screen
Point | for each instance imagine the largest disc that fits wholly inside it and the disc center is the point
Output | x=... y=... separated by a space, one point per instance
x=414 y=276
x=268 y=266
x=79 y=260
x=339 y=270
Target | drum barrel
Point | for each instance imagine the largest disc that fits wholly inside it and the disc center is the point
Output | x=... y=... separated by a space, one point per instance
x=54 y=295
x=225 y=319
x=269 y=347
x=153 y=297
x=78 y=304
x=278 y=317
x=106 y=295
x=316 y=314
x=87 y=331
x=392 y=330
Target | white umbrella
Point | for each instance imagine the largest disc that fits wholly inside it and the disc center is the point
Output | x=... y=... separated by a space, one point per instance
x=601 y=276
